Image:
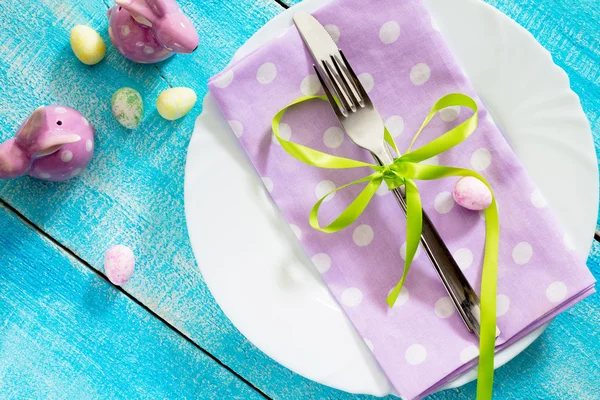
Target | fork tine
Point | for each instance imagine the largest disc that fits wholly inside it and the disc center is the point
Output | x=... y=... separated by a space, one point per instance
x=327 y=78
x=359 y=85
x=339 y=111
x=343 y=70
x=338 y=87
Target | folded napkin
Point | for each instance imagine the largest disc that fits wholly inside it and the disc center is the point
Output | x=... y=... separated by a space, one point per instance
x=421 y=342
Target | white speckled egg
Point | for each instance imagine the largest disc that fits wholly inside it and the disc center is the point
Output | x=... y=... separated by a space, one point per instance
x=87 y=45
x=174 y=103
x=127 y=107
x=471 y=193
x=119 y=262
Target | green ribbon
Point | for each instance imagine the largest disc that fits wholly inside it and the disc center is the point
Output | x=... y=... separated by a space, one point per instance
x=404 y=171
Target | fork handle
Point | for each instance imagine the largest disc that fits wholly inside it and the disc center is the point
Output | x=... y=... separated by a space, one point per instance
x=458 y=287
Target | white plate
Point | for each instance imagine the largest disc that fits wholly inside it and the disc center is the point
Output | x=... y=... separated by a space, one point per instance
x=256 y=269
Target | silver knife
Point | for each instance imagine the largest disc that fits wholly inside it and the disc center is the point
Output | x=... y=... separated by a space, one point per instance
x=364 y=126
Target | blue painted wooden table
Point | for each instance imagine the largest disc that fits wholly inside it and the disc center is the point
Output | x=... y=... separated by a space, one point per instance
x=66 y=332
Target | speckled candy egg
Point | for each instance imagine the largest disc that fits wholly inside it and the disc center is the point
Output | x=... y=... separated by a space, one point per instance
x=471 y=193
x=127 y=107
x=119 y=262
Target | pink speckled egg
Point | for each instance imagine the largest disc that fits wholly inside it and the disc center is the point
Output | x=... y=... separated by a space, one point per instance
x=472 y=194
x=118 y=264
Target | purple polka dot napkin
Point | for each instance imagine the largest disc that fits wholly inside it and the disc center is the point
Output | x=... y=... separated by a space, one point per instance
x=403 y=62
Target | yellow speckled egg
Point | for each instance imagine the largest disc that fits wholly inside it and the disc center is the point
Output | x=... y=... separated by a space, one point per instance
x=87 y=45
x=175 y=103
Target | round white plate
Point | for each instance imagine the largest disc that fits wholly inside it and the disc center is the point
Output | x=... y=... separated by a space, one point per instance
x=256 y=269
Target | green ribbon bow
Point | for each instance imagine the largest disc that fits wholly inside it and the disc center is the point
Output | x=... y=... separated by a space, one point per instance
x=404 y=171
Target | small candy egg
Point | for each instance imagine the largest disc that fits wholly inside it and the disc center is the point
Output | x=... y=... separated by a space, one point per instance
x=175 y=103
x=118 y=264
x=127 y=107
x=87 y=45
x=471 y=193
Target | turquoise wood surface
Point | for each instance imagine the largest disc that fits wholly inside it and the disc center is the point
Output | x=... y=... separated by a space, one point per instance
x=67 y=333
x=132 y=193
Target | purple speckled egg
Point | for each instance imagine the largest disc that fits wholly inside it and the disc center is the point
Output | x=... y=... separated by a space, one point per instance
x=119 y=262
x=472 y=194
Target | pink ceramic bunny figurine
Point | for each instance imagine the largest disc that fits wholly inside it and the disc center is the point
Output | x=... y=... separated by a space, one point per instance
x=55 y=143
x=149 y=31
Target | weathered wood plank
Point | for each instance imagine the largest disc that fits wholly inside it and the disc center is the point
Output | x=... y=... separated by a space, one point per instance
x=132 y=193
x=68 y=333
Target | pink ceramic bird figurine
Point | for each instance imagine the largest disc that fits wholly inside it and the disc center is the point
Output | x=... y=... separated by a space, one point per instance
x=149 y=31
x=55 y=143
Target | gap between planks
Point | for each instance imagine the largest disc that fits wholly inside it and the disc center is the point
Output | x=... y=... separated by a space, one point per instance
x=71 y=253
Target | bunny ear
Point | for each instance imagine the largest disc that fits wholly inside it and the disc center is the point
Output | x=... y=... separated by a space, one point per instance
x=31 y=129
x=54 y=143
x=141 y=11
x=158 y=6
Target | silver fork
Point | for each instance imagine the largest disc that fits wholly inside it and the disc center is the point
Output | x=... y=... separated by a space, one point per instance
x=365 y=128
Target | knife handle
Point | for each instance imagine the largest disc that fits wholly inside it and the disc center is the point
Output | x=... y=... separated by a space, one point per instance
x=461 y=292
x=458 y=287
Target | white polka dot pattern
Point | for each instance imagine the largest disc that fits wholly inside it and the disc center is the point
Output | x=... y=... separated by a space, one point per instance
x=266 y=73
x=502 y=304
x=323 y=188
x=236 y=127
x=469 y=353
x=395 y=125
x=481 y=159
x=296 y=231
x=443 y=203
x=363 y=235
x=310 y=85
x=285 y=132
x=449 y=114
x=367 y=81
x=333 y=31
x=402 y=298
x=389 y=32
x=419 y=74
x=464 y=258
x=432 y=161
x=224 y=80
x=522 y=253
x=322 y=261
x=403 y=251
x=352 y=297
x=268 y=182
x=556 y=292
x=537 y=199
x=416 y=354
x=444 y=307
x=333 y=137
